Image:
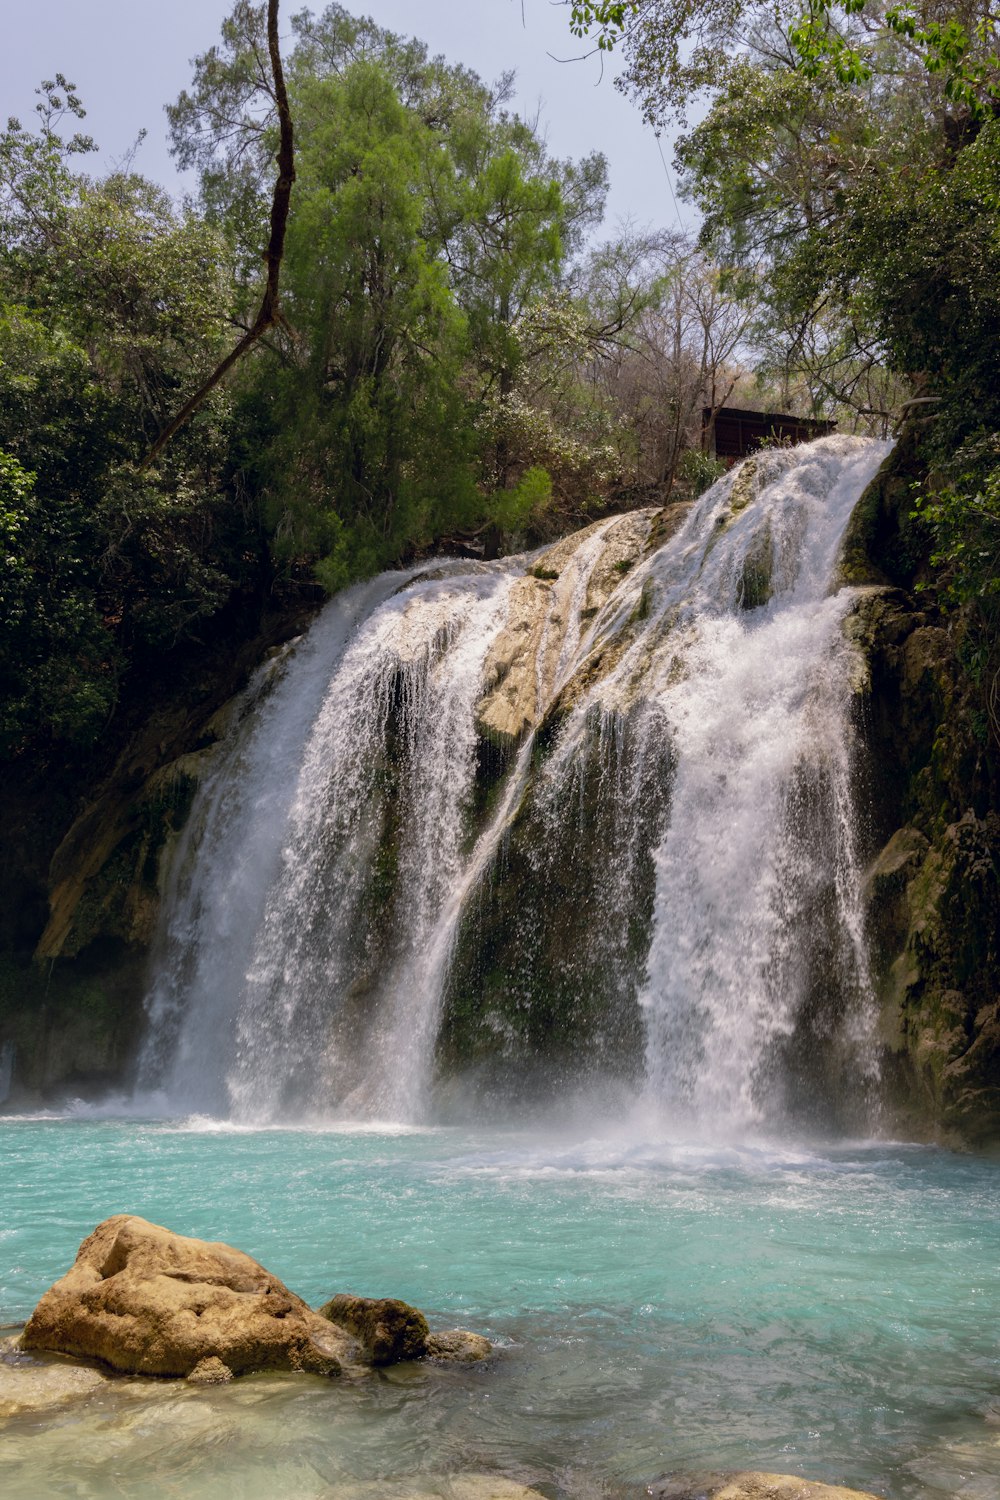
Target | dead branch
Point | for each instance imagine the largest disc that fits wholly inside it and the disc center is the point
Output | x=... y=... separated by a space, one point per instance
x=270 y=307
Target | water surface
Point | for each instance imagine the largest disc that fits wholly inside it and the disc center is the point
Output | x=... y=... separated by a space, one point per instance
x=659 y=1304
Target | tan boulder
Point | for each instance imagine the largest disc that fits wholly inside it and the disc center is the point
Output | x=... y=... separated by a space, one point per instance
x=149 y=1302
x=751 y=1485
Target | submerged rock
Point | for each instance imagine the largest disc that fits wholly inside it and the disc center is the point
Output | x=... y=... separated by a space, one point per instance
x=390 y=1331
x=459 y=1346
x=149 y=1302
x=444 y=1487
x=27 y=1385
x=750 y=1485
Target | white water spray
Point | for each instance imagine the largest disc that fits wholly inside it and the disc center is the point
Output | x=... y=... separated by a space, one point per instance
x=315 y=899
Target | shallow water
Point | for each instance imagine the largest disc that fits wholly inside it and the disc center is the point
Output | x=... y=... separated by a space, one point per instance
x=661 y=1305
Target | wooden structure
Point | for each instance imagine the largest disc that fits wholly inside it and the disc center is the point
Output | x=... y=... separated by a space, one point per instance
x=734 y=433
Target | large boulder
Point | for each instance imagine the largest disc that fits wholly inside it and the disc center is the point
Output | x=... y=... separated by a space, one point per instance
x=750 y=1485
x=149 y=1302
x=389 y=1331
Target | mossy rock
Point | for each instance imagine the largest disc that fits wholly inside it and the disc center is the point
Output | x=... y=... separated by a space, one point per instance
x=882 y=543
x=551 y=950
x=935 y=920
x=72 y=1025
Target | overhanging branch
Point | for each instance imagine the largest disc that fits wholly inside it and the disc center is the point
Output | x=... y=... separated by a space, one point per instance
x=270 y=308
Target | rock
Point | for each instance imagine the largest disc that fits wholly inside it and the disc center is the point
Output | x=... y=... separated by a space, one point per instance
x=443 y=1487
x=485 y=1487
x=521 y=672
x=934 y=913
x=750 y=1486
x=105 y=873
x=149 y=1302
x=388 y=1330
x=210 y=1371
x=33 y=1386
x=458 y=1346
x=756 y=577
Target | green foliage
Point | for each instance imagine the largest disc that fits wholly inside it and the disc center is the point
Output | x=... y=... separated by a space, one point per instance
x=675 y=49
x=516 y=508
x=54 y=668
x=960 y=506
x=432 y=377
x=111 y=303
x=700 y=470
x=427 y=224
x=849 y=164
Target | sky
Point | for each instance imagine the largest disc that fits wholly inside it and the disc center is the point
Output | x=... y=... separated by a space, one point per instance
x=128 y=58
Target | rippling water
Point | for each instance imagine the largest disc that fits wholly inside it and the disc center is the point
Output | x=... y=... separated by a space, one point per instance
x=661 y=1305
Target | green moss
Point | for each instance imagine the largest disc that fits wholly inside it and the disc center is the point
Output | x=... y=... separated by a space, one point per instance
x=550 y=951
x=882 y=543
x=756 y=579
x=644 y=604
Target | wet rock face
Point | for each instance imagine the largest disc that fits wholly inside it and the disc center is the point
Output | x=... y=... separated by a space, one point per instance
x=933 y=882
x=89 y=843
x=750 y=1485
x=935 y=917
x=522 y=668
x=146 y=1301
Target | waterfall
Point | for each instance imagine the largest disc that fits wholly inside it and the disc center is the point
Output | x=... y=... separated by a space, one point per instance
x=588 y=805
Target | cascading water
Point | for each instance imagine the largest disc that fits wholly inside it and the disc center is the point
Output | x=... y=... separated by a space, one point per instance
x=622 y=777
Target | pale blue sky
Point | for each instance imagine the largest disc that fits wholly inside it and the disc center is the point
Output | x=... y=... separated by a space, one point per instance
x=130 y=57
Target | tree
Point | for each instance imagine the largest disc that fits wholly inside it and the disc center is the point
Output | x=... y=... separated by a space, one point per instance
x=853 y=153
x=111 y=303
x=428 y=222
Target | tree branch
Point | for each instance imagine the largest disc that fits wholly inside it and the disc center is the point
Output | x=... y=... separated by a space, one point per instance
x=270 y=308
